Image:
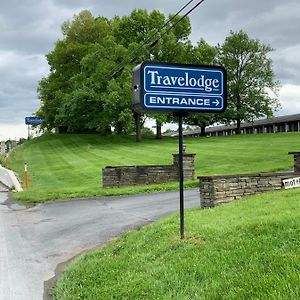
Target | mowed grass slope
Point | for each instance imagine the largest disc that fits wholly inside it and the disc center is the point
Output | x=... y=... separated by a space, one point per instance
x=243 y=250
x=64 y=166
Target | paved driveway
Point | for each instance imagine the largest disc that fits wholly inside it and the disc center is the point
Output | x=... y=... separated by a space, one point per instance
x=33 y=241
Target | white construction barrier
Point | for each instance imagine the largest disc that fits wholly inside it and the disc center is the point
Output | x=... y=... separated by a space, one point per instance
x=9 y=179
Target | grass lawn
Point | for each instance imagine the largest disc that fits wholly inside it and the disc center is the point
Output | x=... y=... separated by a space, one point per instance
x=2 y=159
x=243 y=250
x=66 y=166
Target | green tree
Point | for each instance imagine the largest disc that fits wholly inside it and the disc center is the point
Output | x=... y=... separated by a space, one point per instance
x=86 y=90
x=202 y=54
x=71 y=95
x=82 y=92
x=137 y=31
x=117 y=103
x=250 y=78
x=160 y=120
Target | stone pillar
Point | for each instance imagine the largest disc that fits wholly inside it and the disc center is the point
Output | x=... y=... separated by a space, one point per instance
x=188 y=165
x=207 y=192
x=296 y=161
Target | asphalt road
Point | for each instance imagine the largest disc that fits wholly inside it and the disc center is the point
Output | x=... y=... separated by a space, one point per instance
x=34 y=241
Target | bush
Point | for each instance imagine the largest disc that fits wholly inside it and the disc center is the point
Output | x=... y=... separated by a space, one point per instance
x=147 y=132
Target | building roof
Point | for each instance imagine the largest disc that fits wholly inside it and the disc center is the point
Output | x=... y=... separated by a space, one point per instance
x=255 y=123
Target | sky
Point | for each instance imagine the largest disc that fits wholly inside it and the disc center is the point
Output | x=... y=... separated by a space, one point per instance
x=30 y=28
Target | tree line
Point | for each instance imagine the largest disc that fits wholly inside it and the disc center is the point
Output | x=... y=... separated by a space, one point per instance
x=87 y=91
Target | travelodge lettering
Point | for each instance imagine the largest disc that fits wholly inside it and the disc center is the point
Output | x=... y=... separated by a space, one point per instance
x=200 y=82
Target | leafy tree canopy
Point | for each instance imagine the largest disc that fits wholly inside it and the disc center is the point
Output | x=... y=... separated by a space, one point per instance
x=86 y=91
x=202 y=54
x=80 y=93
x=251 y=80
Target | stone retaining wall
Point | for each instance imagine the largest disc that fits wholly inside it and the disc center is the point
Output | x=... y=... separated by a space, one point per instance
x=215 y=190
x=148 y=174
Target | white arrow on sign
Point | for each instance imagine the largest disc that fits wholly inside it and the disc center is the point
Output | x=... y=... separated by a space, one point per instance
x=216 y=102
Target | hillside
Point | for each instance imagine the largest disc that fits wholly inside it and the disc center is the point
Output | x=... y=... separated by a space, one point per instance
x=243 y=250
x=64 y=166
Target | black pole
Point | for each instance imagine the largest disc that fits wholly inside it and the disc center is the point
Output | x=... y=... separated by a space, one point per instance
x=180 y=168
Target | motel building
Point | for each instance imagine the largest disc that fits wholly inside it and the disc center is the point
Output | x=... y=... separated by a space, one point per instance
x=290 y=123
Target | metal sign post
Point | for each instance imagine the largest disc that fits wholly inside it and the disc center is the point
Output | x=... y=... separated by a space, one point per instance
x=28 y=132
x=181 y=193
x=179 y=88
x=180 y=116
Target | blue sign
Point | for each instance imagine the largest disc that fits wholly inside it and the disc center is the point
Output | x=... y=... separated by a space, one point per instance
x=173 y=87
x=33 y=120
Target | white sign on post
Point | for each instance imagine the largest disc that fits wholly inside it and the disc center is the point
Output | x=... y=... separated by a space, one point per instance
x=291 y=183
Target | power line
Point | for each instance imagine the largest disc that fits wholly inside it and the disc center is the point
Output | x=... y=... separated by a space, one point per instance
x=167 y=23
x=192 y=9
x=118 y=70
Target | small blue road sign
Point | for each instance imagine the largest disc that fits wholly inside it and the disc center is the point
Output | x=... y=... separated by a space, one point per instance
x=33 y=120
x=176 y=87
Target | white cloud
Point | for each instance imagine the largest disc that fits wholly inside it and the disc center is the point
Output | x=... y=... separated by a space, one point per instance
x=290 y=99
x=20 y=73
x=12 y=132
